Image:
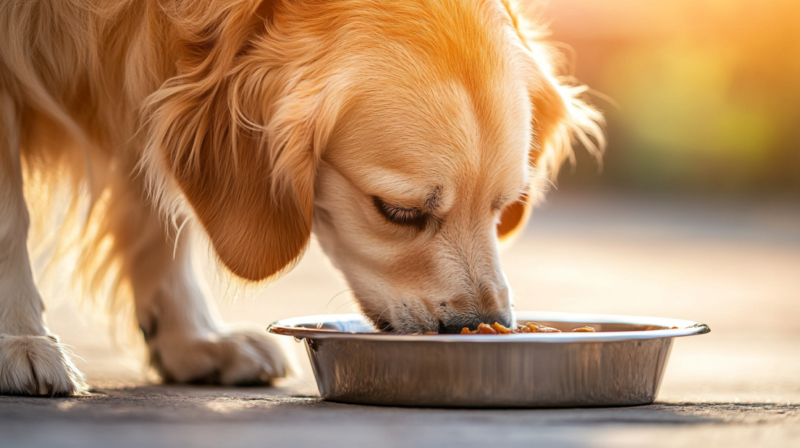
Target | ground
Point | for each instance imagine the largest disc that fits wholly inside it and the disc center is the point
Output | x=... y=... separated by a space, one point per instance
x=732 y=265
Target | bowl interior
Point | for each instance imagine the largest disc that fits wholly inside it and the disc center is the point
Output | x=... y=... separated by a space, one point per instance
x=609 y=327
x=364 y=326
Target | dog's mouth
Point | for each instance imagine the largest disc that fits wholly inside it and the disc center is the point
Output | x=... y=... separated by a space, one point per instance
x=384 y=326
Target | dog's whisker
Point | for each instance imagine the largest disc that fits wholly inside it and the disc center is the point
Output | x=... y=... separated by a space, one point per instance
x=335 y=296
x=340 y=306
x=378 y=319
x=319 y=325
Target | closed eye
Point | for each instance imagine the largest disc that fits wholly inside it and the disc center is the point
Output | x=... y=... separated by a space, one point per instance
x=404 y=216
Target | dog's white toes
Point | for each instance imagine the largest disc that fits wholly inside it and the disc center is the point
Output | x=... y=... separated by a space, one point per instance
x=234 y=358
x=37 y=365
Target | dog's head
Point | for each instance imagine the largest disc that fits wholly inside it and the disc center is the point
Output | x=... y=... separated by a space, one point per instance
x=413 y=135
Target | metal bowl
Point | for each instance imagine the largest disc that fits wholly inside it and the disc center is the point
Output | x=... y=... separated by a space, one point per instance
x=620 y=365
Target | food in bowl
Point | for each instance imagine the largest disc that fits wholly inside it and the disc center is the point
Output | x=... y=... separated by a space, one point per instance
x=530 y=327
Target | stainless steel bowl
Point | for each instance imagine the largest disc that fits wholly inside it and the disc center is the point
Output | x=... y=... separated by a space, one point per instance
x=622 y=364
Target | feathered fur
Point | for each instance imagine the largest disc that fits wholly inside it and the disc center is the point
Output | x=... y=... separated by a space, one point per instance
x=146 y=114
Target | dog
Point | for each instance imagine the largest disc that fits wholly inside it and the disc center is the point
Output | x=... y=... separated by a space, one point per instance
x=411 y=137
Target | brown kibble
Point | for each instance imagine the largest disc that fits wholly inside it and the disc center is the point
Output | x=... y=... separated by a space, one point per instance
x=501 y=329
x=485 y=329
x=586 y=329
x=539 y=328
x=530 y=327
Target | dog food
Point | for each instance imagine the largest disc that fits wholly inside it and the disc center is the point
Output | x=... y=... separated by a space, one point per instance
x=530 y=327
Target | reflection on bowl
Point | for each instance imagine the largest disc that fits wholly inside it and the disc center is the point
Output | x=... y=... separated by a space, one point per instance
x=621 y=364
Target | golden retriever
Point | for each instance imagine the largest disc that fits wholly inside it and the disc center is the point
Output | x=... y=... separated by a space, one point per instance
x=412 y=137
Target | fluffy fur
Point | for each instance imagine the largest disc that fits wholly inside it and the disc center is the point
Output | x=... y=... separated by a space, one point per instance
x=410 y=136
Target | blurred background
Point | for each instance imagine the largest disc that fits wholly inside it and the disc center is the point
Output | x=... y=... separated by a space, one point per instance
x=696 y=213
x=704 y=94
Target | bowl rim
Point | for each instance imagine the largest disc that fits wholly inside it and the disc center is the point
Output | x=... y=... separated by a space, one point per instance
x=292 y=327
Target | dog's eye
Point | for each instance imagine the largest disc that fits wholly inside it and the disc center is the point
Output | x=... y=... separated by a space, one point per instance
x=400 y=215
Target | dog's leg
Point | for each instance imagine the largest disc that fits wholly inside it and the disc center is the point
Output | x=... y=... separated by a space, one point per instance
x=32 y=362
x=186 y=343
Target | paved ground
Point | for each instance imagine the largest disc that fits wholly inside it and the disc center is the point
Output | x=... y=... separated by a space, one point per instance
x=735 y=266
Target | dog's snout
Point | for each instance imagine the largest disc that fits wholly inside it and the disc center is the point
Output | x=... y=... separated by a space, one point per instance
x=486 y=306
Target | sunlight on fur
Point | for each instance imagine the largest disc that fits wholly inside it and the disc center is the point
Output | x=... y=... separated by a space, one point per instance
x=253 y=123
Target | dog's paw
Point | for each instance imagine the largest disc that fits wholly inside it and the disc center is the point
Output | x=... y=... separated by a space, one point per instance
x=37 y=365
x=240 y=357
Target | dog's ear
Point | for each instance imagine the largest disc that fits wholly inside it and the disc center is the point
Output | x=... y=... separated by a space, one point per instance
x=513 y=219
x=242 y=151
x=559 y=117
x=549 y=114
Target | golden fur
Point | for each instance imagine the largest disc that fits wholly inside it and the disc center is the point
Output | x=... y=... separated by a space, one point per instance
x=263 y=119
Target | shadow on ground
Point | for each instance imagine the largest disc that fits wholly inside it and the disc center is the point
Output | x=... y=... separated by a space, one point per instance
x=165 y=415
x=274 y=406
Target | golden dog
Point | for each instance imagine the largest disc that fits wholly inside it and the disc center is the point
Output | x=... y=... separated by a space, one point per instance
x=411 y=136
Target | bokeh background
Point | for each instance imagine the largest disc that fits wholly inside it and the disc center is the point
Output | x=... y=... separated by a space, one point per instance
x=702 y=97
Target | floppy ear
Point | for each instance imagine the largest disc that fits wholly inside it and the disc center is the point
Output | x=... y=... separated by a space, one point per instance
x=559 y=117
x=549 y=116
x=241 y=151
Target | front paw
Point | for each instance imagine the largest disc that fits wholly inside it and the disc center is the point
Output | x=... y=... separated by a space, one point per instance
x=37 y=365
x=234 y=358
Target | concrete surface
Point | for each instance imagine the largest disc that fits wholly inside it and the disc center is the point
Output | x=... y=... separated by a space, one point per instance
x=734 y=266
